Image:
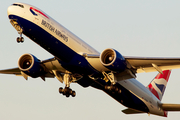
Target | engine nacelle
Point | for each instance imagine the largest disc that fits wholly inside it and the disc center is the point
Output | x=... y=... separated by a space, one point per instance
x=113 y=60
x=30 y=65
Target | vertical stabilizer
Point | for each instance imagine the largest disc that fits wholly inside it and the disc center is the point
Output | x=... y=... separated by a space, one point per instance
x=158 y=85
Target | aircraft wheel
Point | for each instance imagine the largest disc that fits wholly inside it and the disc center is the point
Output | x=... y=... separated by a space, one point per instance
x=67 y=95
x=119 y=91
x=61 y=90
x=18 y=39
x=107 y=87
x=116 y=89
x=67 y=91
x=22 y=39
x=73 y=94
x=112 y=88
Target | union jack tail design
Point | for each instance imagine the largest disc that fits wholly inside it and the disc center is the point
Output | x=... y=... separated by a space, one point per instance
x=158 y=85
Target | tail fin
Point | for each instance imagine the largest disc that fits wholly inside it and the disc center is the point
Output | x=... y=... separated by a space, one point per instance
x=158 y=85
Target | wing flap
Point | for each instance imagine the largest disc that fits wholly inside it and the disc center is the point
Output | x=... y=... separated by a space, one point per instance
x=146 y=64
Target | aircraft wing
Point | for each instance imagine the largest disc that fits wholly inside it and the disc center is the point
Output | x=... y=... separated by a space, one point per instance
x=151 y=64
x=14 y=71
x=140 y=64
x=148 y=64
x=51 y=67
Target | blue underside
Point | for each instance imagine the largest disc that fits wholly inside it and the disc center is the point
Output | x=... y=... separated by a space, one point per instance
x=75 y=63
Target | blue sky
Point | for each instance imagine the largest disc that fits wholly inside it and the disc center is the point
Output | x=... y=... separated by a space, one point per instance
x=133 y=27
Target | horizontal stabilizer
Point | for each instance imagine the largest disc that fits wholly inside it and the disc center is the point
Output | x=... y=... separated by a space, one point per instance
x=170 y=107
x=131 y=111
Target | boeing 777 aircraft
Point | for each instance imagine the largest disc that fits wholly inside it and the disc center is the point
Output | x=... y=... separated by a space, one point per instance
x=75 y=61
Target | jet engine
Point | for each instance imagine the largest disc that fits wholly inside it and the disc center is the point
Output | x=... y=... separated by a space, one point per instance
x=113 y=60
x=30 y=65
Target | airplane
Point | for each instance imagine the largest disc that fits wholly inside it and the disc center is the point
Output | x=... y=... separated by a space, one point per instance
x=75 y=61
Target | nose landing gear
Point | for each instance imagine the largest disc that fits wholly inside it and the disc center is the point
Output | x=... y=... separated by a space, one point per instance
x=17 y=26
x=20 y=39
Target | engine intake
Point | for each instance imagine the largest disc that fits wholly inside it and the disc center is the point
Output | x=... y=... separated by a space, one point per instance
x=30 y=65
x=113 y=60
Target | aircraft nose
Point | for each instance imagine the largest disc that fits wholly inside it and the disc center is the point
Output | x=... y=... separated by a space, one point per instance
x=9 y=10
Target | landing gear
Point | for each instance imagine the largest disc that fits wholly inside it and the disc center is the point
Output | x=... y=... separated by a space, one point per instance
x=20 y=39
x=67 y=91
x=112 y=78
x=113 y=89
x=16 y=25
x=109 y=77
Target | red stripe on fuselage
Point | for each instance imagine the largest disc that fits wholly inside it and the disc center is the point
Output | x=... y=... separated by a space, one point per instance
x=39 y=12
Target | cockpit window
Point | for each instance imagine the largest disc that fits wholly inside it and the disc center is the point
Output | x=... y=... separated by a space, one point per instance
x=19 y=5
